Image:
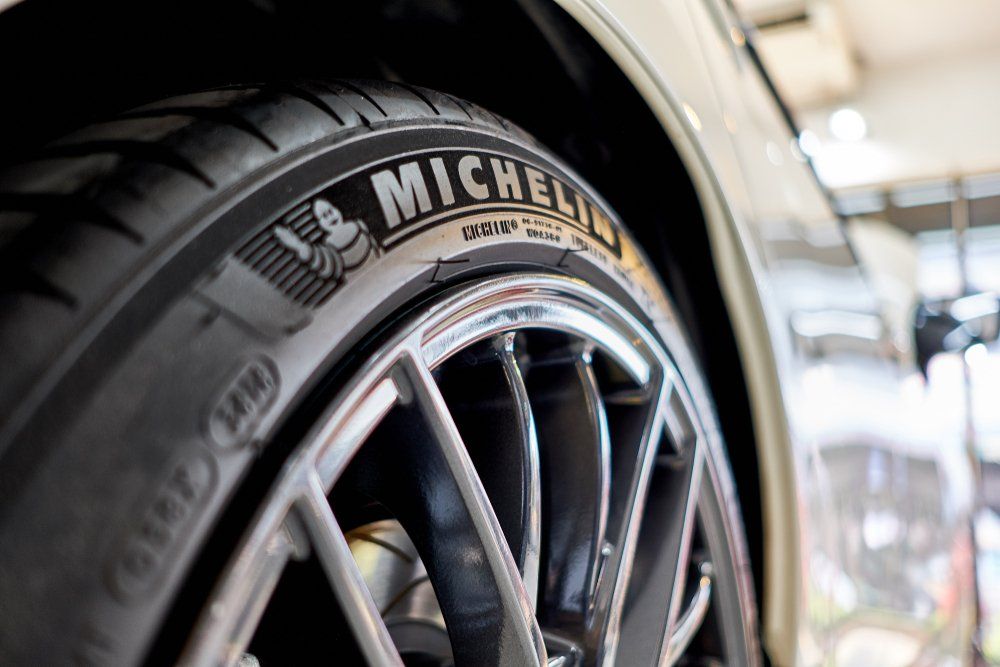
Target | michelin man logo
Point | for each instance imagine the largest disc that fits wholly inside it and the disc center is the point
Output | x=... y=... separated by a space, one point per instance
x=345 y=245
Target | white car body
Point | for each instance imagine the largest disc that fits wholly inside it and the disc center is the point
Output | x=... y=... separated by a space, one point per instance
x=866 y=476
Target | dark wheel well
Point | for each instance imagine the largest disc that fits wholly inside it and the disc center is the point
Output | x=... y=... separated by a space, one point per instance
x=71 y=62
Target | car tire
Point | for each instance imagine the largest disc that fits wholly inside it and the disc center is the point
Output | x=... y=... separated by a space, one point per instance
x=183 y=287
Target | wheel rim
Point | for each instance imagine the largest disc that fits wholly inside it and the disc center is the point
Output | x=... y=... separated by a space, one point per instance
x=554 y=511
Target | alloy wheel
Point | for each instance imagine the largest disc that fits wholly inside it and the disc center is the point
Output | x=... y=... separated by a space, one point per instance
x=519 y=475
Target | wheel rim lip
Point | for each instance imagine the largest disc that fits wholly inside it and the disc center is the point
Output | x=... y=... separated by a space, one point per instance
x=466 y=315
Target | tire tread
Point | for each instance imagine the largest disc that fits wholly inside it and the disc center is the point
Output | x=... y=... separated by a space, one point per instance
x=140 y=176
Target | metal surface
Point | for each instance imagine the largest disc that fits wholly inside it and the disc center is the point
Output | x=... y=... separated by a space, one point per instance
x=693 y=617
x=577 y=500
x=490 y=404
x=391 y=434
x=338 y=563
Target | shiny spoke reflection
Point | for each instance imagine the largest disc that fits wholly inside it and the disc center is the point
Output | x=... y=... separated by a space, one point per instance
x=530 y=552
x=575 y=451
x=648 y=625
x=485 y=392
x=490 y=618
x=348 y=585
x=639 y=425
x=682 y=634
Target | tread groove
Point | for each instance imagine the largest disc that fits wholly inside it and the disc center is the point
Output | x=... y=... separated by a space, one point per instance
x=217 y=115
x=461 y=104
x=306 y=96
x=423 y=98
x=498 y=119
x=129 y=148
x=364 y=119
x=361 y=92
x=26 y=281
x=68 y=207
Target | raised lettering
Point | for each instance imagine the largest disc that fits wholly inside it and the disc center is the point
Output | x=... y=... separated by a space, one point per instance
x=602 y=226
x=561 y=203
x=507 y=181
x=466 y=166
x=581 y=210
x=401 y=197
x=537 y=187
x=444 y=185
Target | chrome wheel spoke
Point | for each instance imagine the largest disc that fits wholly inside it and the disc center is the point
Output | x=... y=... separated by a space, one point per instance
x=520 y=640
x=529 y=554
x=348 y=585
x=576 y=462
x=663 y=554
x=234 y=611
x=419 y=468
x=237 y=604
x=489 y=402
x=687 y=626
x=637 y=425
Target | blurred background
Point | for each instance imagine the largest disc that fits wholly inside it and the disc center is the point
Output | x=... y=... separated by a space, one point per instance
x=898 y=106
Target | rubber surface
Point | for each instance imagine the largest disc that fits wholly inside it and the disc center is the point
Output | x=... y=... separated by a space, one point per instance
x=177 y=282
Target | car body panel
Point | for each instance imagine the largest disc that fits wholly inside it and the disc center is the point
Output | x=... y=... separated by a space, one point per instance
x=865 y=472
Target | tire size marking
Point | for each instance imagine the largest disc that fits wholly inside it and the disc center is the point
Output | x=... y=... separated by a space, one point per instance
x=150 y=547
x=542 y=230
x=244 y=402
x=586 y=246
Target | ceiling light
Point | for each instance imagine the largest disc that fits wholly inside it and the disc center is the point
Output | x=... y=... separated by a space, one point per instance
x=809 y=143
x=848 y=125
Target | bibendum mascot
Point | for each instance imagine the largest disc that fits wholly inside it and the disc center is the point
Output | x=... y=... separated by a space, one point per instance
x=346 y=245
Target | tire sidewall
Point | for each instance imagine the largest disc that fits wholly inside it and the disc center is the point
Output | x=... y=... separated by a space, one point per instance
x=153 y=456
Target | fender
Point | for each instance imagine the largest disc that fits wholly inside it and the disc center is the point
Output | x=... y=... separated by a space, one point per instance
x=843 y=416
x=738 y=274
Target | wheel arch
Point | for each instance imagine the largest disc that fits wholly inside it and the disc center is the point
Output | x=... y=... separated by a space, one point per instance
x=546 y=68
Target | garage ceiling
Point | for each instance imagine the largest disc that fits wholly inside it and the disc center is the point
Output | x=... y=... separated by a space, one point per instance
x=817 y=50
x=924 y=74
x=894 y=32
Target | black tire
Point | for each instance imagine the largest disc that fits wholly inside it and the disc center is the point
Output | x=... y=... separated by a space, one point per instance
x=156 y=271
